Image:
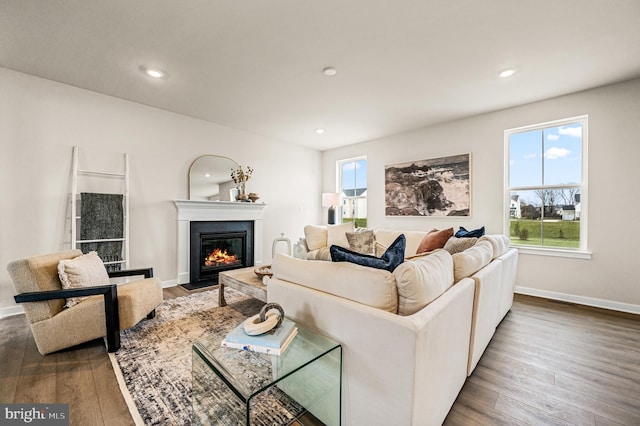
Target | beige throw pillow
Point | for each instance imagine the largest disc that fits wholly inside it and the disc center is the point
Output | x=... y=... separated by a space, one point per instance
x=82 y=271
x=315 y=236
x=336 y=234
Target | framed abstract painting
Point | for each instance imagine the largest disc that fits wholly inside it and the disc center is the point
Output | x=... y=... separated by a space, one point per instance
x=437 y=187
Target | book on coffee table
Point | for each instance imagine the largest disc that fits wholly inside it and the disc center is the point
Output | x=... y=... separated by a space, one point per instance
x=273 y=342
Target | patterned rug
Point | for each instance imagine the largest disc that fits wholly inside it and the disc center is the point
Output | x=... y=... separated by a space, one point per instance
x=153 y=364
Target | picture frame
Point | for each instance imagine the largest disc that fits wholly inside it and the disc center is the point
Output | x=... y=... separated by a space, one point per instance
x=435 y=187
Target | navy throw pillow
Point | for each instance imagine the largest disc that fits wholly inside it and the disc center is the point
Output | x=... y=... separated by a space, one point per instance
x=390 y=260
x=463 y=233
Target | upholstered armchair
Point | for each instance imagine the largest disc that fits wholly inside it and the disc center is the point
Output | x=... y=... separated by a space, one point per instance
x=104 y=310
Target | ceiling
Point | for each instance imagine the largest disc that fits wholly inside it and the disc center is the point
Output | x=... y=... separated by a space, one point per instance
x=256 y=65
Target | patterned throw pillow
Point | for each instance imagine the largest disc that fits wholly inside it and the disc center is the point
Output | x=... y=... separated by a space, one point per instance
x=86 y=270
x=390 y=260
x=362 y=241
x=456 y=245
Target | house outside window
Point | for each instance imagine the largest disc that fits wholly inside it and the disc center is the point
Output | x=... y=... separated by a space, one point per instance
x=352 y=183
x=546 y=181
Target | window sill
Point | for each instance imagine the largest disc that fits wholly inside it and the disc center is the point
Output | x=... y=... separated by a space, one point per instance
x=540 y=251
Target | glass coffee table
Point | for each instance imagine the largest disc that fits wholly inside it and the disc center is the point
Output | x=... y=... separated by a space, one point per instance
x=234 y=387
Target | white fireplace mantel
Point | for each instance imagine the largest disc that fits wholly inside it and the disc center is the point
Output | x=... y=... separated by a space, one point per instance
x=191 y=211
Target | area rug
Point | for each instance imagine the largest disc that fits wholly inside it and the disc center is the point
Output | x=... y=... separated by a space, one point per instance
x=153 y=365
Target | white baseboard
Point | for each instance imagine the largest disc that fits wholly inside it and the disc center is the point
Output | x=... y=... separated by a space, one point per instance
x=169 y=283
x=17 y=310
x=580 y=300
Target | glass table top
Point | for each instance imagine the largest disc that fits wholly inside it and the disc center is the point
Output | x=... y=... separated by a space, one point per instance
x=249 y=373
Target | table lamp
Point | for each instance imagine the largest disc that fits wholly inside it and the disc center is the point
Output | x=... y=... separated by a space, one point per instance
x=331 y=200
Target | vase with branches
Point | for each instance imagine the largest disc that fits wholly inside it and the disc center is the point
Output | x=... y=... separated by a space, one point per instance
x=240 y=177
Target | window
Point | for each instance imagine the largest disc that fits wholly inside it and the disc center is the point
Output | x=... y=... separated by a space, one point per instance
x=352 y=181
x=546 y=185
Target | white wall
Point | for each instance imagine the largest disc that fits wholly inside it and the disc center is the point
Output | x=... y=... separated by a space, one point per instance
x=40 y=122
x=609 y=278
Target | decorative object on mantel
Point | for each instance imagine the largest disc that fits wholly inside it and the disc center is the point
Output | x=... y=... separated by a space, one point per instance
x=331 y=200
x=437 y=187
x=253 y=197
x=240 y=177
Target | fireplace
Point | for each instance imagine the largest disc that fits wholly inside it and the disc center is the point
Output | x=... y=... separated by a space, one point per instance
x=217 y=246
x=189 y=211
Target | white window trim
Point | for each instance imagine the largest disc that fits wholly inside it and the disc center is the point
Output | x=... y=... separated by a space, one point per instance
x=582 y=252
x=339 y=164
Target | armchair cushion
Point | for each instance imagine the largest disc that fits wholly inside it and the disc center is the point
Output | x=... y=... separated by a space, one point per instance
x=86 y=270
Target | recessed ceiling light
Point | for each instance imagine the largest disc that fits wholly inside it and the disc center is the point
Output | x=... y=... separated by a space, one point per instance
x=155 y=72
x=507 y=73
x=319 y=131
x=329 y=71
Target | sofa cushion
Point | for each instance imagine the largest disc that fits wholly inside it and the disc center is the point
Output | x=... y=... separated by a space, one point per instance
x=423 y=280
x=390 y=260
x=499 y=242
x=463 y=233
x=434 y=240
x=83 y=271
x=315 y=236
x=369 y=286
x=337 y=234
x=362 y=241
x=456 y=245
x=470 y=261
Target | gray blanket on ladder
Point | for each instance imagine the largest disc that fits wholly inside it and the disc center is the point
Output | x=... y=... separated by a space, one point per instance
x=102 y=217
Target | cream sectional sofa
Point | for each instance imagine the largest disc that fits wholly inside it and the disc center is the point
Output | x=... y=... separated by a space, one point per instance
x=410 y=337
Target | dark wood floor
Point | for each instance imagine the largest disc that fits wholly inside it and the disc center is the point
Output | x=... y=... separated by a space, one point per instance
x=549 y=363
x=552 y=363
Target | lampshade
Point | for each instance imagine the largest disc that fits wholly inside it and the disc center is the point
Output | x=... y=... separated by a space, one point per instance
x=330 y=199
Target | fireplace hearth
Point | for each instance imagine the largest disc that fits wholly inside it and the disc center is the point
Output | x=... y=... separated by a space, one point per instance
x=217 y=246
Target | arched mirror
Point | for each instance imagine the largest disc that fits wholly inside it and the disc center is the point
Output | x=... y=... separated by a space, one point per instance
x=210 y=179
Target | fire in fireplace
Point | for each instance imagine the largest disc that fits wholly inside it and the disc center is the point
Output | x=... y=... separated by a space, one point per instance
x=221 y=250
x=220 y=257
x=218 y=246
